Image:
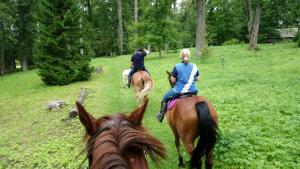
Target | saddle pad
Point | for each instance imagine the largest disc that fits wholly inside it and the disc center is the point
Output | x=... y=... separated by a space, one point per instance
x=172 y=103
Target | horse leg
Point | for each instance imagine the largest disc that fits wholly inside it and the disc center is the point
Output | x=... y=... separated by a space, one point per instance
x=177 y=144
x=189 y=146
x=209 y=159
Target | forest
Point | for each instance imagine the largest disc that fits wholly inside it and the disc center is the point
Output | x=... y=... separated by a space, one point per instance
x=34 y=31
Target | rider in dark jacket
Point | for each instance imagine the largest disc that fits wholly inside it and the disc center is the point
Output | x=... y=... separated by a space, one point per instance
x=137 y=63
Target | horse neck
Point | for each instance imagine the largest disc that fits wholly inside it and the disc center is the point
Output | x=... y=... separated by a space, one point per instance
x=111 y=150
x=106 y=153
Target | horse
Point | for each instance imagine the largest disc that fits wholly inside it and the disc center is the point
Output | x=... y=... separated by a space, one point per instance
x=119 y=141
x=125 y=77
x=142 y=84
x=190 y=118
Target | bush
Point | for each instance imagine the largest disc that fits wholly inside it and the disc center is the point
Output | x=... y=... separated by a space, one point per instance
x=231 y=42
x=297 y=37
x=298 y=42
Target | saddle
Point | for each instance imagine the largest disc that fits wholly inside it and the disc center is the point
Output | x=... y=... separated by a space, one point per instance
x=173 y=101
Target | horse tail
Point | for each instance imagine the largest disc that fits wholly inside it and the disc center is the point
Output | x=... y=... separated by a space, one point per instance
x=208 y=134
x=148 y=84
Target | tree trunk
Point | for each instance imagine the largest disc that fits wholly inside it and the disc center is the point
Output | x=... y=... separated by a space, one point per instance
x=167 y=47
x=24 y=60
x=200 y=32
x=89 y=8
x=250 y=17
x=149 y=47
x=136 y=9
x=255 y=26
x=23 y=36
x=2 y=65
x=159 y=51
x=120 y=27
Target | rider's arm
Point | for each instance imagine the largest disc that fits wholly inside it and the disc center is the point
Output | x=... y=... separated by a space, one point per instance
x=145 y=52
x=174 y=75
x=173 y=79
x=197 y=76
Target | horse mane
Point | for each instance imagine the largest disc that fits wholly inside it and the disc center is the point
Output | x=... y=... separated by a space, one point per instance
x=117 y=139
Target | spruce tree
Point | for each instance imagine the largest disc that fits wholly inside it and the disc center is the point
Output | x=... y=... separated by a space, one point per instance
x=61 y=51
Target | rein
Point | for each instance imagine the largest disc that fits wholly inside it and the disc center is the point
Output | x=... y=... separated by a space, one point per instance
x=90 y=145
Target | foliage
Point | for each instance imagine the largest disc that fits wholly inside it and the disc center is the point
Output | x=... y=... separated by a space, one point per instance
x=231 y=42
x=156 y=27
x=225 y=20
x=187 y=17
x=277 y=14
x=25 y=27
x=256 y=96
x=297 y=37
x=62 y=54
x=7 y=37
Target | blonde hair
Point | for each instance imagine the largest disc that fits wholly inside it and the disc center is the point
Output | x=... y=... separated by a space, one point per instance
x=185 y=55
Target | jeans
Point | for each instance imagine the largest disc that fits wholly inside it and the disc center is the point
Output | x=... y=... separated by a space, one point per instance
x=171 y=94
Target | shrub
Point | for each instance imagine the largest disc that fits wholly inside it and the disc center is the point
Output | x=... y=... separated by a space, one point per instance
x=297 y=37
x=231 y=42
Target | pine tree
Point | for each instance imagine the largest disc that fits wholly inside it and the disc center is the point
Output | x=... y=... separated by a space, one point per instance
x=62 y=54
x=7 y=37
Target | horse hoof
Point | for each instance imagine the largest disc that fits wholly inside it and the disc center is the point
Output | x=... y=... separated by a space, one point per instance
x=181 y=165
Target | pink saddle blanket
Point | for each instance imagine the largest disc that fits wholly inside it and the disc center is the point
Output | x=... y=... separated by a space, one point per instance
x=172 y=103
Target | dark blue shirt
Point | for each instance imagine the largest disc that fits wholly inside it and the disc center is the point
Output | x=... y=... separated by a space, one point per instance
x=138 y=60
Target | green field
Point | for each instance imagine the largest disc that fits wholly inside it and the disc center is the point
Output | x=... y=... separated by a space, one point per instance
x=256 y=94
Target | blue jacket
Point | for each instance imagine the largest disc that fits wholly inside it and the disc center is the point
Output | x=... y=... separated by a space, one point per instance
x=185 y=74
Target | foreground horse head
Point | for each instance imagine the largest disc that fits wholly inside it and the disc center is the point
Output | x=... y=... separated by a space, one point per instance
x=190 y=118
x=119 y=141
x=142 y=84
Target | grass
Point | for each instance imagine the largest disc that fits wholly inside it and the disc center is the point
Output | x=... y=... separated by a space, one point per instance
x=256 y=94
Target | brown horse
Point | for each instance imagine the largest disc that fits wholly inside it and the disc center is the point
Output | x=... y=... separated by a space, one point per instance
x=190 y=118
x=142 y=84
x=119 y=141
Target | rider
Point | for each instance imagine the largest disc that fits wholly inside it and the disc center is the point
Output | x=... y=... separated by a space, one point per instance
x=184 y=75
x=137 y=63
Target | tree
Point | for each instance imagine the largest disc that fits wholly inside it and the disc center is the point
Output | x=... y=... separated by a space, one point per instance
x=60 y=42
x=7 y=37
x=156 y=26
x=120 y=26
x=25 y=26
x=200 y=32
x=187 y=17
x=136 y=11
x=253 y=23
x=225 y=21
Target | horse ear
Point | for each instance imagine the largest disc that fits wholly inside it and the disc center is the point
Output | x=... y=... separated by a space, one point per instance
x=137 y=115
x=87 y=120
x=169 y=73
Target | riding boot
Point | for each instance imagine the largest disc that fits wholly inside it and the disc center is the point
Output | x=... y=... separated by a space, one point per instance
x=160 y=115
x=129 y=82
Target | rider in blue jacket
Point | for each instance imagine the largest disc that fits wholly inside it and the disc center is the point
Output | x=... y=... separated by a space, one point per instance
x=184 y=75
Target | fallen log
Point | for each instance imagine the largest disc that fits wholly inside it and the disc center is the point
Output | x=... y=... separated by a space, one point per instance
x=55 y=105
x=81 y=98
